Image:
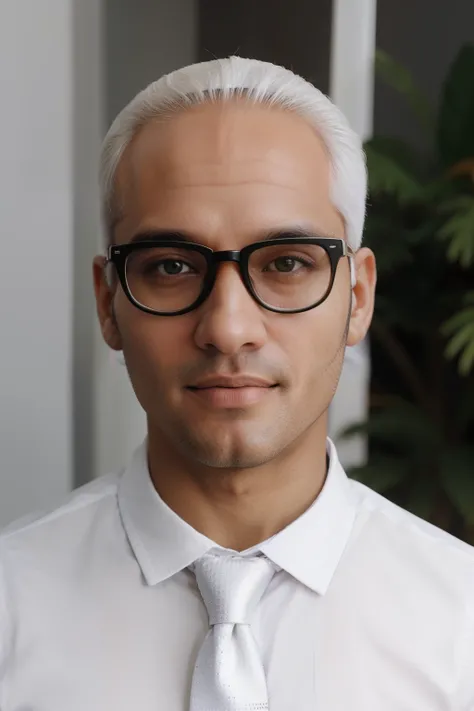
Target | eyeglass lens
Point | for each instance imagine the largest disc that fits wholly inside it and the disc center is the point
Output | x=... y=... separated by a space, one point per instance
x=289 y=276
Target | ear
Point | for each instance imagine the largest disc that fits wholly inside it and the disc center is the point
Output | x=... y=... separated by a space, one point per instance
x=364 y=278
x=104 y=296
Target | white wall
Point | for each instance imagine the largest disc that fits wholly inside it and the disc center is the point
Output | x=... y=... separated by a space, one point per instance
x=36 y=238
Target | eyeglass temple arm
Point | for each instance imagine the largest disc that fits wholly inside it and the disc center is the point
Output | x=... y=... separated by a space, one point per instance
x=350 y=253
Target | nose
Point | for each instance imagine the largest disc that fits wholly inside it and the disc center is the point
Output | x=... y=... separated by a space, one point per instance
x=230 y=320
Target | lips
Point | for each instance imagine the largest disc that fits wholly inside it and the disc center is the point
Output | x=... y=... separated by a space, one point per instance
x=241 y=381
x=228 y=392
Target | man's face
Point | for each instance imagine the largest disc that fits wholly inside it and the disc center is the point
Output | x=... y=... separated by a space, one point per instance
x=226 y=175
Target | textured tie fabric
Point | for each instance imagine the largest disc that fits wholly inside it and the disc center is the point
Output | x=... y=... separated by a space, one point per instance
x=229 y=674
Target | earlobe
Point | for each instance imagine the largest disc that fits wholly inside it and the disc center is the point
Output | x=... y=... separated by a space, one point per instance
x=111 y=332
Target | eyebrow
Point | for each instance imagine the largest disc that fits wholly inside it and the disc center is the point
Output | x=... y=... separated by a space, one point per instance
x=278 y=233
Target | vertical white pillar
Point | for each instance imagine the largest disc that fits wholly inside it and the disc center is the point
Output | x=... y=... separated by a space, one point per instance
x=352 y=61
x=352 y=89
x=36 y=241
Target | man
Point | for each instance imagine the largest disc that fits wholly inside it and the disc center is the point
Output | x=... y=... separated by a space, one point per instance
x=232 y=564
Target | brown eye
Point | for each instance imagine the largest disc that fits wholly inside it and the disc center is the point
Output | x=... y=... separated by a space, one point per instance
x=286 y=264
x=172 y=267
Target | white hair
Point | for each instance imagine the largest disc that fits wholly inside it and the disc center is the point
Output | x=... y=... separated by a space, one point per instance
x=261 y=82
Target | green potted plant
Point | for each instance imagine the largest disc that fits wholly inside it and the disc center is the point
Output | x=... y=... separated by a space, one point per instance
x=420 y=224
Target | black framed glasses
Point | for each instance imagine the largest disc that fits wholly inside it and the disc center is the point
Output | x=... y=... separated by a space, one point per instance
x=170 y=277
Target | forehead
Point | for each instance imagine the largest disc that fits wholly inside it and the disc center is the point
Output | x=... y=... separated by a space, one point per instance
x=225 y=162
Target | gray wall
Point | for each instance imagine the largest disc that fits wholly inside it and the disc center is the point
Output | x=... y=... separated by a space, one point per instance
x=145 y=39
x=425 y=37
x=295 y=34
x=36 y=234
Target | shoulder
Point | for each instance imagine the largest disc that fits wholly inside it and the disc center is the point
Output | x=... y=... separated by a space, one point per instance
x=40 y=545
x=423 y=550
x=400 y=518
x=43 y=540
x=419 y=581
x=422 y=576
x=80 y=503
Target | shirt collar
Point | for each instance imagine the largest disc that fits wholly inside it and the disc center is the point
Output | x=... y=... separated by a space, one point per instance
x=309 y=548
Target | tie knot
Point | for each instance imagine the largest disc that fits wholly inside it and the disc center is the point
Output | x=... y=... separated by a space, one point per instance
x=232 y=586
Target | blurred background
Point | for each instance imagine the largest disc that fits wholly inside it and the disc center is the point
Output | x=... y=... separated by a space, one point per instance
x=403 y=72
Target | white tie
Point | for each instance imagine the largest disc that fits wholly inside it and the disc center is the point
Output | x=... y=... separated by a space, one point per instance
x=229 y=674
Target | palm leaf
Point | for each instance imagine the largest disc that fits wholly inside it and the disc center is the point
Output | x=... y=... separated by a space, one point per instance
x=399 y=78
x=421 y=496
x=461 y=328
x=455 y=323
x=404 y=154
x=390 y=242
x=381 y=474
x=460 y=340
x=462 y=345
x=464 y=415
x=402 y=425
x=455 y=137
x=459 y=230
x=466 y=361
x=387 y=176
x=457 y=477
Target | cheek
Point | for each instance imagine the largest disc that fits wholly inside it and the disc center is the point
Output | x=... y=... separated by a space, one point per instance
x=151 y=343
x=315 y=340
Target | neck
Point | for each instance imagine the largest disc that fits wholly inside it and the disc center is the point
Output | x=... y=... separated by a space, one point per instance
x=240 y=508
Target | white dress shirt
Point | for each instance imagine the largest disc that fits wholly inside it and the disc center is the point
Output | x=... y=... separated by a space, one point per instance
x=372 y=610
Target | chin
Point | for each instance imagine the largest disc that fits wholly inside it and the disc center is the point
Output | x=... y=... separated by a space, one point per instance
x=231 y=447
x=232 y=460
